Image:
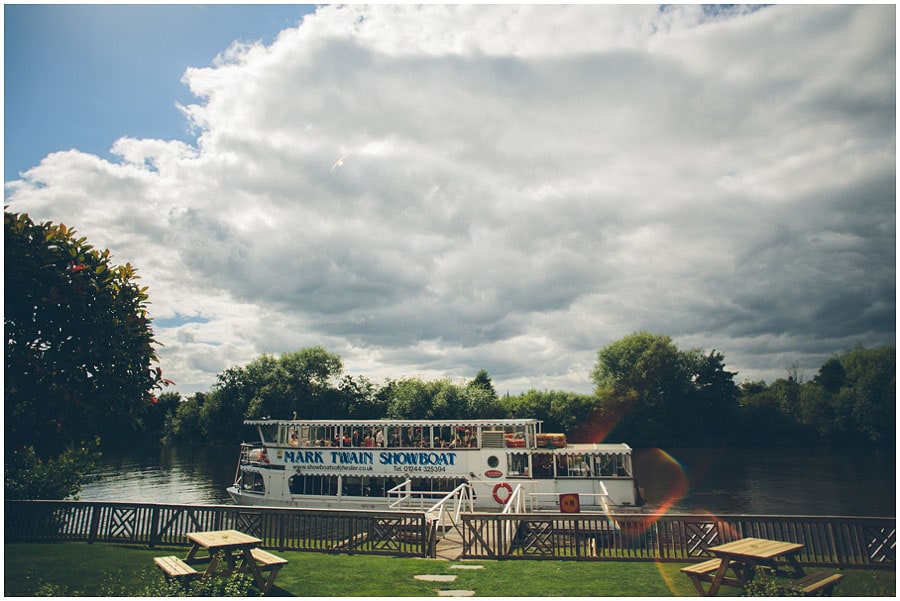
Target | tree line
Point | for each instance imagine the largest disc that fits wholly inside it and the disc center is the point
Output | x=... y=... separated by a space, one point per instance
x=648 y=392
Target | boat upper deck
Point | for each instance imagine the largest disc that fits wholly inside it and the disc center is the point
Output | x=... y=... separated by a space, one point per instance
x=422 y=434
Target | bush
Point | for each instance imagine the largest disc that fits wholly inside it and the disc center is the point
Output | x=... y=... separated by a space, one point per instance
x=763 y=584
x=27 y=476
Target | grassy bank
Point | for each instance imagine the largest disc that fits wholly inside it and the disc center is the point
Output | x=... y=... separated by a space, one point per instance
x=79 y=569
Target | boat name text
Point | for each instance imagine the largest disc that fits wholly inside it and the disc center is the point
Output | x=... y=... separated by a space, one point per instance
x=369 y=458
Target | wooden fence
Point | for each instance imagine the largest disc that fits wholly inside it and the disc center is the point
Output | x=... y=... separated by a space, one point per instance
x=828 y=541
x=374 y=532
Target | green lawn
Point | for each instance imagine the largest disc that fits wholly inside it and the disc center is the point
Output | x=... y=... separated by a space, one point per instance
x=80 y=569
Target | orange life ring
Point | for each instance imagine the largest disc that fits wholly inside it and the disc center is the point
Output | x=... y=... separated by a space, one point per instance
x=502 y=486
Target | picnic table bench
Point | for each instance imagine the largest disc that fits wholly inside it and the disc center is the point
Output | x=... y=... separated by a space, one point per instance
x=267 y=562
x=811 y=585
x=174 y=567
x=706 y=572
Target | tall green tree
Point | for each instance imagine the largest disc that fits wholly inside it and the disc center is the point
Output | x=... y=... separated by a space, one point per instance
x=641 y=380
x=862 y=383
x=304 y=382
x=651 y=392
x=80 y=358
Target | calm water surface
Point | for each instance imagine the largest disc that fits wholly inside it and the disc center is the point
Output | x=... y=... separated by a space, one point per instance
x=810 y=481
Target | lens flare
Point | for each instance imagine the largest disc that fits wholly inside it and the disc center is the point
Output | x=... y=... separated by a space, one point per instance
x=675 y=477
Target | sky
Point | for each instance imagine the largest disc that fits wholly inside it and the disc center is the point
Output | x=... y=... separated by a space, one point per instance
x=428 y=191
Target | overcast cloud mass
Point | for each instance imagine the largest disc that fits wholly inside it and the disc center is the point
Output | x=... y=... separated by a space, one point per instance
x=429 y=191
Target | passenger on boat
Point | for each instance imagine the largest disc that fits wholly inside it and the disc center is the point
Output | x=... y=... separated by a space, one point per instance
x=579 y=467
x=379 y=438
x=295 y=441
x=467 y=439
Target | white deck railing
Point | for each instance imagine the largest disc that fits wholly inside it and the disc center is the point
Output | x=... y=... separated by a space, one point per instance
x=601 y=499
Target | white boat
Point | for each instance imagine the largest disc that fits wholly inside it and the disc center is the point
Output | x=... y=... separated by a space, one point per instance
x=379 y=464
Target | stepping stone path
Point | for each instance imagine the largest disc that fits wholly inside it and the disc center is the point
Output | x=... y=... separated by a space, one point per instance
x=436 y=577
x=450 y=578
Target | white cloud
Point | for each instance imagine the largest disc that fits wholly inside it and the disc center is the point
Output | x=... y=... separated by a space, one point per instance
x=518 y=187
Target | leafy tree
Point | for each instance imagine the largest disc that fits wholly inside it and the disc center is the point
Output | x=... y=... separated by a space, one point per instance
x=716 y=397
x=79 y=344
x=303 y=382
x=651 y=392
x=184 y=424
x=641 y=380
x=761 y=419
x=482 y=403
x=870 y=390
x=831 y=375
x=27 y=476
x=560 y=411
x=413 y=398
x=361 y=399
x=410 y=398
x=483 y=381
x=160 y=412
x=533 y=404
x=852 y=400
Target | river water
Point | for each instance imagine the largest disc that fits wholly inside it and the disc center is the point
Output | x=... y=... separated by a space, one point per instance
x=807 y=481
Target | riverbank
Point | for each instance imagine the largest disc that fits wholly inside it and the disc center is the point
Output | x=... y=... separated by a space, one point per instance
x=81 y=569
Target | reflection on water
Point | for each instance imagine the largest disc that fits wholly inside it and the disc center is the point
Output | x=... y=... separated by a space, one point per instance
x=812 y=481
x=808 y=481
x=163 y=474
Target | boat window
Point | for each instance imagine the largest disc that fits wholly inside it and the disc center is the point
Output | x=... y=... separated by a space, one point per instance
x=252 y=482
x=615 y=465
x=579 y=466
x=323 y=436
x=415 y=437
x=435 y=485
x=360 y=436
x=469 y=437
x=394 y=436
x=517 y=465
x=366 y=486
x=446 y=437
x=268 y=433
x=493 y=461
x=292 y=437
x=379 y=436
x=542 y=465
x=356 y=486
x=300 y=484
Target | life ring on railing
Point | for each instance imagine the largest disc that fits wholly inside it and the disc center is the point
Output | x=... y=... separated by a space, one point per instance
x=502 y=486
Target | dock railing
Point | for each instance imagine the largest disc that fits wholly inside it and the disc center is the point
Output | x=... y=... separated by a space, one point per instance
x=864 y=542
x=535 y=500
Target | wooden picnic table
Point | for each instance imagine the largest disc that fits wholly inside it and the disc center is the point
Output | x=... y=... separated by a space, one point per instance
x=742 y=557
x=238 y=551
